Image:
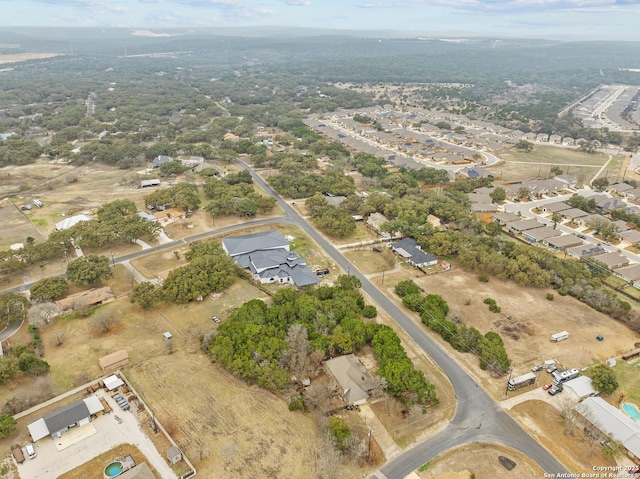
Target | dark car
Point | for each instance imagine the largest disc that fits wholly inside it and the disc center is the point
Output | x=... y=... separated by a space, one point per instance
x=555 y=390
x=536 y=368
x=377 y=249
x=322 y=272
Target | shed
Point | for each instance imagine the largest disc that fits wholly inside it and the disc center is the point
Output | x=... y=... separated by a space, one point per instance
x=149 y=183
x=174 y=455
x=167 y=335
x=38 y=430
x=93 y=404
x=580 y=387
x=114 y=361
x=113 y=382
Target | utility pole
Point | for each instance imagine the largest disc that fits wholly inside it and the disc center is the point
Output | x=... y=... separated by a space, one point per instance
x=383 y=269
x=506 y=391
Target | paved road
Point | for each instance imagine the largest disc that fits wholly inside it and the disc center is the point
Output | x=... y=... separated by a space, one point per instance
x=478 y=418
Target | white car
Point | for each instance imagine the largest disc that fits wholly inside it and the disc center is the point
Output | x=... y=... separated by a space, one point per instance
x=31 y=450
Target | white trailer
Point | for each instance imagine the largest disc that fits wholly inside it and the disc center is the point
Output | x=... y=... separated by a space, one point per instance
x=562 y=335
x=521 y=381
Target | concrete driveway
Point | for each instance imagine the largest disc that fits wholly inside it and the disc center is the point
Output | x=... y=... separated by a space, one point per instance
x=110 y=433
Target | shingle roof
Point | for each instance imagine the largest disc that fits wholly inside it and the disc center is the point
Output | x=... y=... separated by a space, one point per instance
x=67 y=415
x=413 y=252
x=253 y=242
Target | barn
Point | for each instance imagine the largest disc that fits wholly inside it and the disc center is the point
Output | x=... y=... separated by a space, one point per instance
x=114 y=361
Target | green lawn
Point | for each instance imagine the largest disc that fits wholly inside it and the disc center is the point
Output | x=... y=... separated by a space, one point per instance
x=554 y=155
x=628 y=373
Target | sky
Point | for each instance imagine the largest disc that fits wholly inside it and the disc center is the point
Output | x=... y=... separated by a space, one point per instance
x=555 y=19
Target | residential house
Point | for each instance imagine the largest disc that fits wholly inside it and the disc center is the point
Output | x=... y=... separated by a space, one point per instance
x=574 y=215
x=160 y=160
x=621 y=226
x=269 y=259
x=434 y=221
x=334 y=200
x=91 y=298
x=609 y=204
x=633 y=194
x=585 y=251
x=612 y=260
x=58 y=422
x=71 y=221
x=353 y=378
x=542 y=137
x=631 y=274
x=504 y=218
x=555 y=207
x=620 y=188
x=560 y=243
x=611 y=422
x=568 y=180
x=484 y=208
x=537 y=235
x=631 y=236
x=476 y=198
x=408 y=249
x=568 y=141
x=580 y=388
x=523 y=225
x=375 y=221
x=555 y=139
x=529 y=136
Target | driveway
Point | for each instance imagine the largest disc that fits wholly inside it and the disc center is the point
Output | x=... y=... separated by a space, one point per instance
x=109 y=433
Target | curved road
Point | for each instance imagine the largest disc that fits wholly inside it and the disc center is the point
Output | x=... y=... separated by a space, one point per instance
x=478 y=418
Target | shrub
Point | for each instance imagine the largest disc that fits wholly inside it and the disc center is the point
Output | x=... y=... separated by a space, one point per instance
x=340 y=431
x=550 y=296
x=369 y=311
x=484 y=278
x=296 y=403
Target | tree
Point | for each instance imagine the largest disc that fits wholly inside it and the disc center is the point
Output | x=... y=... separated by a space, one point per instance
x=49 y=289
x=146 y=294
x=600 y=183
x=7 y=425
x=556 y=218
x=104 y=320
x=498 y=195
x=29 y=363
x=604 y=379
x=13 y=308
x=41 y=314
x=523 y=192
x=602 y=226
x=524 y=145
x=89 y=270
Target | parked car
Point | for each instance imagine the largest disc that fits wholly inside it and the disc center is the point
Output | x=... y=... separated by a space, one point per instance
x=581 y=236
x=31 y=450
x=377 y=249
x=536 y=368
x=322 y=272
x=215 y=319
x=555 y=390
x=547 y=386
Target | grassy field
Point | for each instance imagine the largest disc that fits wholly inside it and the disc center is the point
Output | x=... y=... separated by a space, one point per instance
x=628 y=373
x=554 y=156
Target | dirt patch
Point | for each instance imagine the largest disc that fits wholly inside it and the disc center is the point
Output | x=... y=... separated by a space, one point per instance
x=481 y=460
x=577 y=451
x=23 y=57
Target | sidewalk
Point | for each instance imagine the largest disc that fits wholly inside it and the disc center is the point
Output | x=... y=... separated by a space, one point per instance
x=380 y=434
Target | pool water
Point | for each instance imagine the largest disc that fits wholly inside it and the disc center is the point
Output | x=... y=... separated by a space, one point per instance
x=113 y=469
x=632 y=411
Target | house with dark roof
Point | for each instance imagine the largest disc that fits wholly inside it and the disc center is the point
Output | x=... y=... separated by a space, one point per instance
x=409 y=250
x=269 y=258
x=620 y=188
x=58 y=422
x=160 y=160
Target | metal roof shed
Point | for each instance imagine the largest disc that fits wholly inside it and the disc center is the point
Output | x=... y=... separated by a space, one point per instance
x=93 y=404
x=113 y=382
x=38 y=430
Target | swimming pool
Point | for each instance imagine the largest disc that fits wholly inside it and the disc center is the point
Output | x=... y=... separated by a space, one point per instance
x=632 y=411
x=114 y=469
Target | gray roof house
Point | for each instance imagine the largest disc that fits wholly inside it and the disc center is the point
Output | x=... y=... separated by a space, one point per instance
x=353 y=377
x=574 y=214
x=629 y=273
x=563 y=242
x=269 y=259
x=237 y=245
x=504 y=218
x=409 y=249
x=612 y=422
x=58 y=422
x=620 y=188
x=612 y=260
x=158 y=161
x=632 y=236
x=376 y=220
x=524 y=225
x=556 y=207
x=586 y=250
x=538 y=234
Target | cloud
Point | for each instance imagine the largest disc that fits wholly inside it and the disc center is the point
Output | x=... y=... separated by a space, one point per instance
x=298 y=3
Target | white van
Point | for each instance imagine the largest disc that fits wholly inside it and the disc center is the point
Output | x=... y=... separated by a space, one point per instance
x=31 y=450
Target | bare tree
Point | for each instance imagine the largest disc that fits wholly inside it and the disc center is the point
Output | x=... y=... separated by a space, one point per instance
x=316 y=395
x=329 y=458
x=296 y=359
x=60 y=338
x=104 y=320
x=379 y=387
x=569 y=418
x=356 y=448
x=41 y=314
